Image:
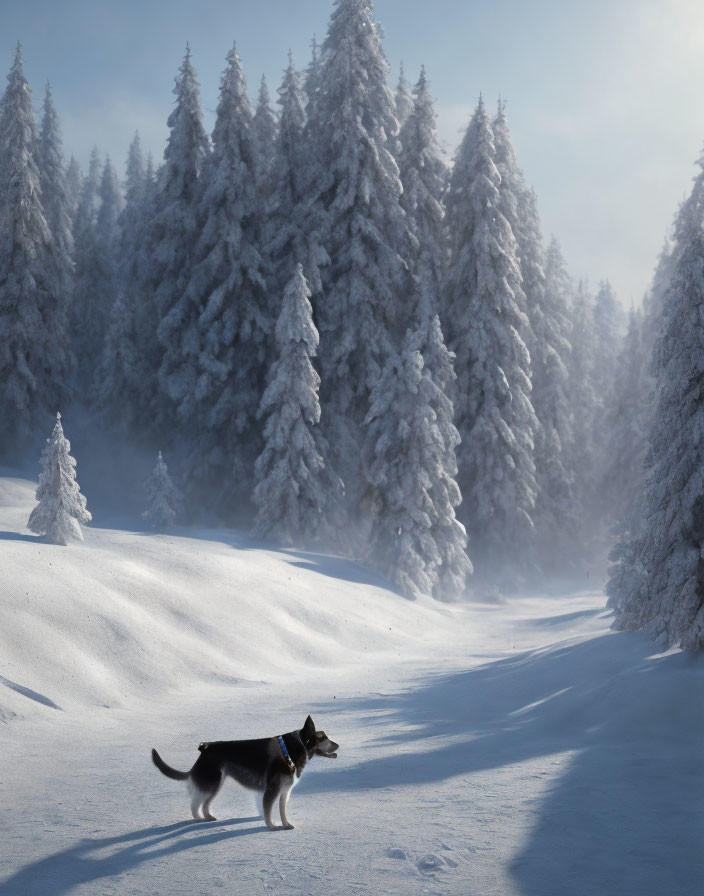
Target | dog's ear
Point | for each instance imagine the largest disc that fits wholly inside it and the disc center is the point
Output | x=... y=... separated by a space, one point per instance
x=309 y=727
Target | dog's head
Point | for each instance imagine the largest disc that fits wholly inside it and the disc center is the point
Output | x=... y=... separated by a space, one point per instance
x=317 y=743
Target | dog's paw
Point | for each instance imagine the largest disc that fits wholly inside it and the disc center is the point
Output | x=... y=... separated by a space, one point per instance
x=210 y=818
x=288 y=826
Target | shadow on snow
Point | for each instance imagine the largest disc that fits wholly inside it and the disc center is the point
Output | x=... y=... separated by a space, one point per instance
x=28 y=692
x=86 y=862
x=626 y=817
x=20 y=536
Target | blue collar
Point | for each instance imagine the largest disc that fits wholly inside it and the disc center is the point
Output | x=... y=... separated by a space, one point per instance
x=287 y=757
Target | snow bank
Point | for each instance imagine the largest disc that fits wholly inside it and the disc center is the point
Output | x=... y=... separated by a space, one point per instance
x=128 y=615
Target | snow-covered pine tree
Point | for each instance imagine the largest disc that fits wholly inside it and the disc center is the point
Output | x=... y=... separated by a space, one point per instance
x=132 y=227
x=519 y=205
x=408 y=454
x=35 y=357
x=607 y=345
x=296 y=490
x=74 y=183
x=448 y=533
x=138 y=284
x=174 y=232
x=607 y=339
x=57 y=204
x=355 y=191
x=264 y=129
x=310 y=214
x=424 y=175
x=163 y=498
x=118 y=387
x=61 y=506
x=485 y=315
x=654 y=298
x=626 y=423
x=106 y=275
x=312 y=76
x=583 y=404
x=546 y=338
x=555 y=512
x=285 y=238
x=658 y=585
x=403 y=98
x=85 y=323
x=216 y=337
x=120 y=379
x=512 y=192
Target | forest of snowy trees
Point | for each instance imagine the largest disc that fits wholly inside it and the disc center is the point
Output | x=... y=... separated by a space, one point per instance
x=346 y=343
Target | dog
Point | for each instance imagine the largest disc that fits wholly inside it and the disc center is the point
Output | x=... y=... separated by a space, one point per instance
x=269 y=765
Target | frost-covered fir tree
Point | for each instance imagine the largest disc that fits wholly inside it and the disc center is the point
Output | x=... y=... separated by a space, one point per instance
x=61 y=506
x=118 y=386
x=484 y=317
x=86 y=325
x=57 y=205
x=512 y=194
x=424 y=175
x=607 y=339
x=583 y=404
x=410 y=462
x=120 y=378
x=216 y=336
x=264 y=128
x=655 y=296
x=74 y=183
x=163 y=498
x=361 y=309
x=97 y=281
x=285 y=237
x=607 y=345
x=172 y=238
x=403 y=98
x=449 y=535
x=56 y=200
x=106 y=275
x=555 y=512
x=658 y=585
x=35 y=357
x=296 y=490
x=546 y=336
x=626 y=420
x=138 y=288
x=312 y=76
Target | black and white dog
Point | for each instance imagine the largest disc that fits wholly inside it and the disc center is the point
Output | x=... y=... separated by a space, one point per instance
x=270 y=765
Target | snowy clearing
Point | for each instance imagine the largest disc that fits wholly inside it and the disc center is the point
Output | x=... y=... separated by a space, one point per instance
x=513 y=747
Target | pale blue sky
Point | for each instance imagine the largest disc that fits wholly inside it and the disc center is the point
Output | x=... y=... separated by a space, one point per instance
x=605 y=99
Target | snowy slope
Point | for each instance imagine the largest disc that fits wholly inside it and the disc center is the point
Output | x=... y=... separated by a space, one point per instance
x=498 y=748
x=129 y=616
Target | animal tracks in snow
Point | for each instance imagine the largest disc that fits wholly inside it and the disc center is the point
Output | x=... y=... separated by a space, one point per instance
x=428 y=863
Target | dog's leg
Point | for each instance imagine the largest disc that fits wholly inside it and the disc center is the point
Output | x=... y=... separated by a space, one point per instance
x=206 y=805
x=283 y=799
x=273 y=788
x=196 y=800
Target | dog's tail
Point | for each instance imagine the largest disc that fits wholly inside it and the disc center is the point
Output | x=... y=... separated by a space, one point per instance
x=166 y=769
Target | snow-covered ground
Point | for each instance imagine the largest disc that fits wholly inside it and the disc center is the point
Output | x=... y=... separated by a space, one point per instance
x=514 y=747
